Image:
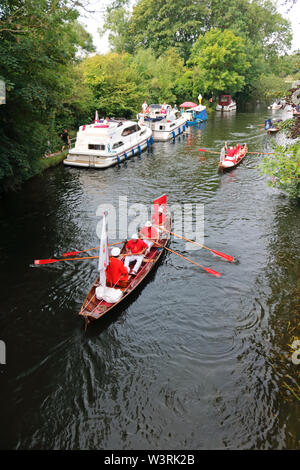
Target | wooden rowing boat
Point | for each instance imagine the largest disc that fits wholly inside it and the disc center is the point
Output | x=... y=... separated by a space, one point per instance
x=229 y=164
x=94 y=309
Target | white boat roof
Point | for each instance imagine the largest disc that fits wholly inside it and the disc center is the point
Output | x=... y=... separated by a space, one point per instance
x=197 y=108
x=100 y=129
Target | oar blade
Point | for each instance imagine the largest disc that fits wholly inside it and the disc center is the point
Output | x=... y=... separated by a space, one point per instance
x=223 y=255
x=211 y=271
x=71 y=253
x=44 y=261
x=203 y=150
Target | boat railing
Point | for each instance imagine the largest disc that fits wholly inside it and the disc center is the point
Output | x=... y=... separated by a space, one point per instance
x=72 y=142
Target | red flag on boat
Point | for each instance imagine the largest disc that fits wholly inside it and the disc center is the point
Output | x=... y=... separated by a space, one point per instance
x=96 y=117
x=160 y=203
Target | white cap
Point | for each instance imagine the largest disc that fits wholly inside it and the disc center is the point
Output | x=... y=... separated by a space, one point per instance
x=148 y=224
x=134 y=236
x=161 y=209
x=115 y=251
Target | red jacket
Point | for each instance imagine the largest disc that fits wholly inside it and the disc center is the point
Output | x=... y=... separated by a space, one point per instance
x=115 y=272
x=136 y=247
x=230 y=152
x=150 y=232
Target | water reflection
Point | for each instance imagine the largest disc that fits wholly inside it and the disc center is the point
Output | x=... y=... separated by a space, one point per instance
x=192 y=361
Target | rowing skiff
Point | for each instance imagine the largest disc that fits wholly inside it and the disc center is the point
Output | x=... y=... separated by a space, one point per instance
x=94 y=309
x=229 y=163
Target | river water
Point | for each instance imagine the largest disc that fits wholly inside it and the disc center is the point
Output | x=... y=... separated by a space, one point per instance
x=195 y=361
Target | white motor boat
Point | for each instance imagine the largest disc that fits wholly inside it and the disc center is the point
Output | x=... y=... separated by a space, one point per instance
x=106 y=143
x=165 y=122
x=279 y=104
x=226 y=103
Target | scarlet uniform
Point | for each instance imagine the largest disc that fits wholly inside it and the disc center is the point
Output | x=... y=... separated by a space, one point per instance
x=136 y=247
x=159 y=218
x=115 y=272
x=230 y=152
x=150 y=232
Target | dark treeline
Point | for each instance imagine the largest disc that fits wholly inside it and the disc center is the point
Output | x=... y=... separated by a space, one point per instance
x=162 y=50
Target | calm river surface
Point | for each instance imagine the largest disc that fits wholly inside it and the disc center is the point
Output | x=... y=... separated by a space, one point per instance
x=194 y=362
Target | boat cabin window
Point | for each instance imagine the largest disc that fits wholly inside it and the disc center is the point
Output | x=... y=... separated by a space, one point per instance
x=161 y=128
x=96 y=147
x=131 y=130
x=117 y=144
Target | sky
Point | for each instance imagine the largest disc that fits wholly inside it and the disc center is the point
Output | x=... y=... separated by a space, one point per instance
x=93 y=21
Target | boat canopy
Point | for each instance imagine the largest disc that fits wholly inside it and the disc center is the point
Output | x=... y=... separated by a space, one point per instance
x=224 y=100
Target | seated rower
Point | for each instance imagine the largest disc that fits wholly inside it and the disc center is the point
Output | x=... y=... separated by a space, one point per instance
x=116 y=273
x=158 y=217
x=149 y=234
x=237 y=150
x=230 y=154
x=135 y=248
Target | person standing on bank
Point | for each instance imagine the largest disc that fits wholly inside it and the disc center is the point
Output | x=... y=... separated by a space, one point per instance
x=66 y=139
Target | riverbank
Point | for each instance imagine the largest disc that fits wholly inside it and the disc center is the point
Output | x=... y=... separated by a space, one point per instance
x=284 y=166
x=12 y=183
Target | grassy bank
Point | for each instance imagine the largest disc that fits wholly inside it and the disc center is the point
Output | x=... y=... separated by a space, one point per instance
x=48 y=162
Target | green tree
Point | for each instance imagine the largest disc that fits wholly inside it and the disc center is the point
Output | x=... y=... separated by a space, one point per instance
x=116 y=86
x=39 y=42
x=284 y=169
x=220 y=62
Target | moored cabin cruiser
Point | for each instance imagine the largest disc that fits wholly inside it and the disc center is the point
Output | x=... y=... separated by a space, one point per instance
x=106 y=143
x=226 y=103
x=195 y=115
x=166 y=123
x=279 y=104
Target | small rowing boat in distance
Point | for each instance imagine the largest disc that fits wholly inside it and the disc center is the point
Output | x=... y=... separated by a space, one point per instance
x=229 y=163
x=94 y=309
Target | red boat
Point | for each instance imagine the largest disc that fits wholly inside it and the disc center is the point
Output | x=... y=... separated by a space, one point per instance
x=94 y=309
x=229 y=163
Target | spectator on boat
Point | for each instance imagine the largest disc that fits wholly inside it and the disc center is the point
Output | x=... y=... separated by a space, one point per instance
x=144 y=107
x=106 y=121
x=149 y=234
x=200 y=98
x=164 y=108
x=66 y=139
x=175 y=108
x=135 y=250
x=116 y=273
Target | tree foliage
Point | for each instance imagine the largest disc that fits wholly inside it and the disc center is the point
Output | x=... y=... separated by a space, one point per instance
x=284 y=169
x=39 y=41
x=221 y=62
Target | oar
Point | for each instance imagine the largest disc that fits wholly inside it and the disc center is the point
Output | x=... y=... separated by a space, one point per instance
x=211 y=271
x=218 y=253
x=254 y=153
x=210 y=151
x=50 y=261
x=72 y=253
x=261 y=153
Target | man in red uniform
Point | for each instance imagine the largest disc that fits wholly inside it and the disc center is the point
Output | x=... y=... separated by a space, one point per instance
x=115 y=271
x=136 y=248
x=149 y=234
x=159 y=216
